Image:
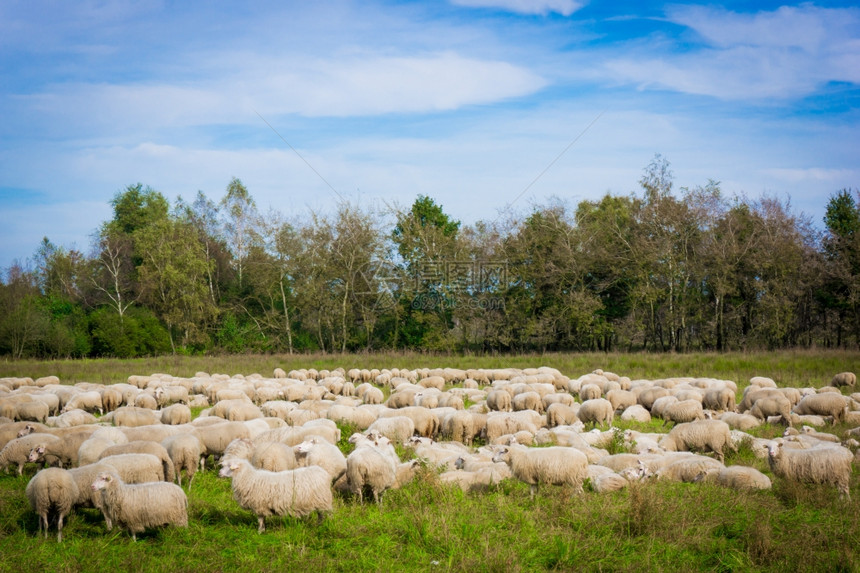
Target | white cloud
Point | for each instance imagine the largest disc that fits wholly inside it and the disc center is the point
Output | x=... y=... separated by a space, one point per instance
x=563 y=7
x=784 y=54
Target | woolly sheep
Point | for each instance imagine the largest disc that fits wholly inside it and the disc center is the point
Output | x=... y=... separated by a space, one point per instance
x=426 y=422
x=742 y=477
x=396 y=428
x=133 y=416
x=136 y=507
x=144 y=447
x=827 y=404
x=71 y=418
x=499 y=400
x=647 y=397
x=713 y=435
x=50 y=491
x=317 y=452
x=777 y=405
x=298 y=492
x=684 y=411
x=827 y=465
x=501 y=423
x=690 y=468
x=273 y=456
x=185 y=451
x=35 y=411
x=459 y=427
x=136 y=468
x=17 y=451
x=554 y=465
x=844 y=379
x=621 y=399
x=91 y=449
x=660 y=404
x=719 y=399
x=371 y=465
x=740 y=421
x=636 y=413
x=217 y=436
x=87 y=401
x=176 y=414
x=597 y=411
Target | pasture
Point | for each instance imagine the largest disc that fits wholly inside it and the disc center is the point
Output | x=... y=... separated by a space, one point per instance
x=651 y=525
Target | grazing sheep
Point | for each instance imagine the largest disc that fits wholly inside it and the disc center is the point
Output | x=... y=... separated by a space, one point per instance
x=92 y=448
x=52 y=490
x=527 y=401
x=396 y=428
x=775 y=405
x=636 y=413
x=684 y=411
x=559 y=414
x=590 y=392
x=621 y=399
x=136 y=468
x=827 y=404
x=740 y=421
x=17 y=451
x=144 y=447
x=176 y=414
x=297 y=492
x=34 y=411
x=596 y=411
x=827 y=465
x=273 y=456
x=216 y=437
x=501 y=423
x=459 y=427
x=373 y=464
x=315 y=451
x=136 y=507
x=71 y=418
x=844 y=379
x=648 y=396
x=499 y=400
x=87 y=401
x=714 y=435
x=426 y=422
x=690 y=468
x=719 y=399
x=185 y=451
x=555 y=465
x=742 y=477
x=132 y=416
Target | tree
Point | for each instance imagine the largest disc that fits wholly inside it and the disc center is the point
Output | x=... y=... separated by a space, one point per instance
x=240 y=223
x=205 y=217
x=23 y=324
x=841 y=248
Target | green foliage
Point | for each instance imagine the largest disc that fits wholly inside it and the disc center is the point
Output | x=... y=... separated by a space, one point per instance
x=137 y=333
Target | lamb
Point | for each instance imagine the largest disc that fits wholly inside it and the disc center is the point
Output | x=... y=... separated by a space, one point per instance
x=827 y=465
x=136 y=507
x=315 y=451
x=844 y=379
x=555 y=465
x=714 y=435
x=297 y=492
x=597 y=411
x=52 y=490
x=185 y=451
x=826 y=404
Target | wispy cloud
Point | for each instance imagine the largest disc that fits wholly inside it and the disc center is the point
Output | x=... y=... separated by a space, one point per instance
x=787 y=53
x=563 y=7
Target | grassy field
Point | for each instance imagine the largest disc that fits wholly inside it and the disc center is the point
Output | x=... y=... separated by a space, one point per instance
x=654 y=526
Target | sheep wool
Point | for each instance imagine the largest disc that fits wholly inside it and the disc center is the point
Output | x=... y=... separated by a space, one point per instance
x=555 y=465
x=297 y=492
x=50 y=491
x=136 y=507
x=827 y=465
x=713 y=435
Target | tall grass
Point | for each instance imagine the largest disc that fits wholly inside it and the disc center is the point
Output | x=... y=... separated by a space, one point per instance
x=425 y=526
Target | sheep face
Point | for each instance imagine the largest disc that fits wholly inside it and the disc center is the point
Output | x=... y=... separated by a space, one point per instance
x=26 y=430
x=228 y=469
x=102 y=481
x=36 y=454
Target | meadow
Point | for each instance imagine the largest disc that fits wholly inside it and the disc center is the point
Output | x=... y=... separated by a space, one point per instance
x=651 y=526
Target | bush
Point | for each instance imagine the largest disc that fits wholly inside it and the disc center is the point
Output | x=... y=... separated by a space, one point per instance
x=137 y=333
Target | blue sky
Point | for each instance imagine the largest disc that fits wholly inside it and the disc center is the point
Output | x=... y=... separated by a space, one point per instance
x=466 y=101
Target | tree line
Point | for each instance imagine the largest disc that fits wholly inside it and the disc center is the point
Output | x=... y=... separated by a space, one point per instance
x=657 y=270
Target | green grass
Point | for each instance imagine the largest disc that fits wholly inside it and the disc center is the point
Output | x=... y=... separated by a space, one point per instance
x=654 y=526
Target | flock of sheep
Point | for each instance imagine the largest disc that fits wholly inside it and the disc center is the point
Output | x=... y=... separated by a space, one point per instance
x=276 y=438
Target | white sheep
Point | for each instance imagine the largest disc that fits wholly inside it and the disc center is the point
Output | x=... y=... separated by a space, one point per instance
x=740 y=421
x=88 y=401
x=690 y=468
x=315 y=451
x=555 y=465
x=144 y=447
x=774 y=405
x=636 y=413
x=136 y=507
x=827 y=404
x=52 y=490
x=844 y=379
x=298 y=492
x=596 y=411
x=827 y=465
x=373 y=464
x=273 y=456
x=742 y=477
x=185 y=451
x=459 y=427
x=719 y=399
x=714 y=435
x=176 y=414
x=683 y=411
x=396 y=428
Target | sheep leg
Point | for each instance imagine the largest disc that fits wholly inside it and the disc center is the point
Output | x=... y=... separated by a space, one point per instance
x=261 y=524
x=532 y=491
x=60 y=528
